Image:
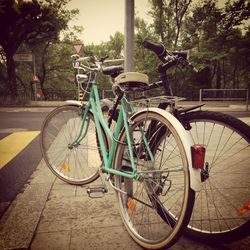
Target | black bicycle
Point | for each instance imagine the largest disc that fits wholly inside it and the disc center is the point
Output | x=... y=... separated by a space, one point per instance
x=222 y=207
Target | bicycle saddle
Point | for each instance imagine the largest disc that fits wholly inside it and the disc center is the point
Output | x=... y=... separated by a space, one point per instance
x=112 y=71
x=131 y=81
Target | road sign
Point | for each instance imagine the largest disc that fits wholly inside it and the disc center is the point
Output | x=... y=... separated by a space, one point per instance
x=35 y=78
x=22 y=57
x=78 y=47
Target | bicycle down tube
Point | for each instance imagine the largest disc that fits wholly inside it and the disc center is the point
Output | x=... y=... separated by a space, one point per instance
x=95 y=107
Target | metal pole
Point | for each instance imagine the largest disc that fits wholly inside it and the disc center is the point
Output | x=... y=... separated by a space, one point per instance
x=129 y=34
x=34 y=68
x=34 y=65
x=200 y=95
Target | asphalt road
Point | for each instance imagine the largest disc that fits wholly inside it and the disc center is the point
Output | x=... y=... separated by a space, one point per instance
x=16 y=173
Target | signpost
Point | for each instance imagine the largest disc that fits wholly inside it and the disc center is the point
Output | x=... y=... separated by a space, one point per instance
x=28 y=57
x=78 y=47
x=23 y=58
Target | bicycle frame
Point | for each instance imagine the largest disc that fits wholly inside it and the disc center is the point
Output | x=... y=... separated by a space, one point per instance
x=122 y=122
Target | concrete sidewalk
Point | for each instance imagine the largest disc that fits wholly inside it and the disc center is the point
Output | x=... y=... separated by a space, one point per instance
x=51 y=214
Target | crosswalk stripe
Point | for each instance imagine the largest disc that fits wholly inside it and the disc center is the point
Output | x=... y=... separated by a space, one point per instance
x=13 y=144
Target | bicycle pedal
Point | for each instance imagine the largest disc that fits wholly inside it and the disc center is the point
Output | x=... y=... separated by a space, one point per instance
x=96 y=192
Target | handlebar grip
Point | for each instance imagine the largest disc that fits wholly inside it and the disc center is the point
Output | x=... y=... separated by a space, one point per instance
x=183 y=54
x=158 y=49
x=75 y=56
x=102 y=59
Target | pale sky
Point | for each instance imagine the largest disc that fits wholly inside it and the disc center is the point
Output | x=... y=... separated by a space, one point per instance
x=102 y=18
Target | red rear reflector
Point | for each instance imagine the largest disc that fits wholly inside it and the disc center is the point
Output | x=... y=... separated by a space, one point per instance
x=244 y=209
x=131 y=205
x=198 y=155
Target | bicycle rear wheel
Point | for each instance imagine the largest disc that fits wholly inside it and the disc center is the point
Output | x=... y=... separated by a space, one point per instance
x=151 y=204
x=75 y=164
x=220 y=212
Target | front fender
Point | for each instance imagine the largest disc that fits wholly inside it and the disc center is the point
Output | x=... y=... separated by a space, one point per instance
x=74 y=102
x=106 y=104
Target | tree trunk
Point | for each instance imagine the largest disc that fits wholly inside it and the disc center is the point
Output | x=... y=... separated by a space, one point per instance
x=223 y=73
x=180 y=11
x=234 y=76
x=218 y=79
x=160 y=5
x=218 y=76
x=11 y=73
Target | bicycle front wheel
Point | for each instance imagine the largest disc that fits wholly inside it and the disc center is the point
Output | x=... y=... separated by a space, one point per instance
x=151 y=204
x=75 y=163
x=221 y=212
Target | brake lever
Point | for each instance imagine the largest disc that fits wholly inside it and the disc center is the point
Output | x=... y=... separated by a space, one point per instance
x=193 y=68
x=184 y=63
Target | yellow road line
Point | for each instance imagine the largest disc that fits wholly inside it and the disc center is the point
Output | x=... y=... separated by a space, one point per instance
x=13 y=144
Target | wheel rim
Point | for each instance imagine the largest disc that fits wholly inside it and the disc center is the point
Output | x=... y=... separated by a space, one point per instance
x=149 y=218
x=74 y=164
x=217 y=206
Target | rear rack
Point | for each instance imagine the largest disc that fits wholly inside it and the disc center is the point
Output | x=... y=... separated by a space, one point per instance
x=155 y=101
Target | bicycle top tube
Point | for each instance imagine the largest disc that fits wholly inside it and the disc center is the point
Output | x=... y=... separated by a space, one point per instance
x=101 y=124
x=93 y=105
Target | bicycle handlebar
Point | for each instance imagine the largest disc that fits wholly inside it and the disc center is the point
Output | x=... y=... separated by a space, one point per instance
x=83 y=59
x=78 y=62
x=158 y=49
x=169 y=59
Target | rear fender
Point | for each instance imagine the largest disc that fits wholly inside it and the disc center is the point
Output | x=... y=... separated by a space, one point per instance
x=195 y=177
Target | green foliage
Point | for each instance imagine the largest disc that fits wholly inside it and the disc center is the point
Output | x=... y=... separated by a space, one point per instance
x=145 y=62
x=215 y=38
x=168 y=17
x=30 y=22
x=112 y=48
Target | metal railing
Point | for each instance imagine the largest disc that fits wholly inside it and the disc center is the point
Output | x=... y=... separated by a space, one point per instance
x=225 y=95
x=60 y=94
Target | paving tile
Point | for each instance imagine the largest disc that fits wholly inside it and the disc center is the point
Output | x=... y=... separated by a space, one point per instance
x=60 y=193
x=49 y=226
x=18 y=228
x=105 y=238
x=57 y=208
x=42 y=174
x=51 y=241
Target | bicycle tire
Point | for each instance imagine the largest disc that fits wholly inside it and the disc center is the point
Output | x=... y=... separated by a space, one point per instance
x=155 y=198
x=71 y=164
x=229 y=168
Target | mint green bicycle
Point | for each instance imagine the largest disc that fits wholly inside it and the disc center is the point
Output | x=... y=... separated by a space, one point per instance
x=153 y=174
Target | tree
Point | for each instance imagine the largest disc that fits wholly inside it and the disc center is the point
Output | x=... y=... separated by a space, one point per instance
x=54 y=60
x=168 y=16
x=214 y=35
x=30 y=22
x=145 y=61
x=115 y=45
